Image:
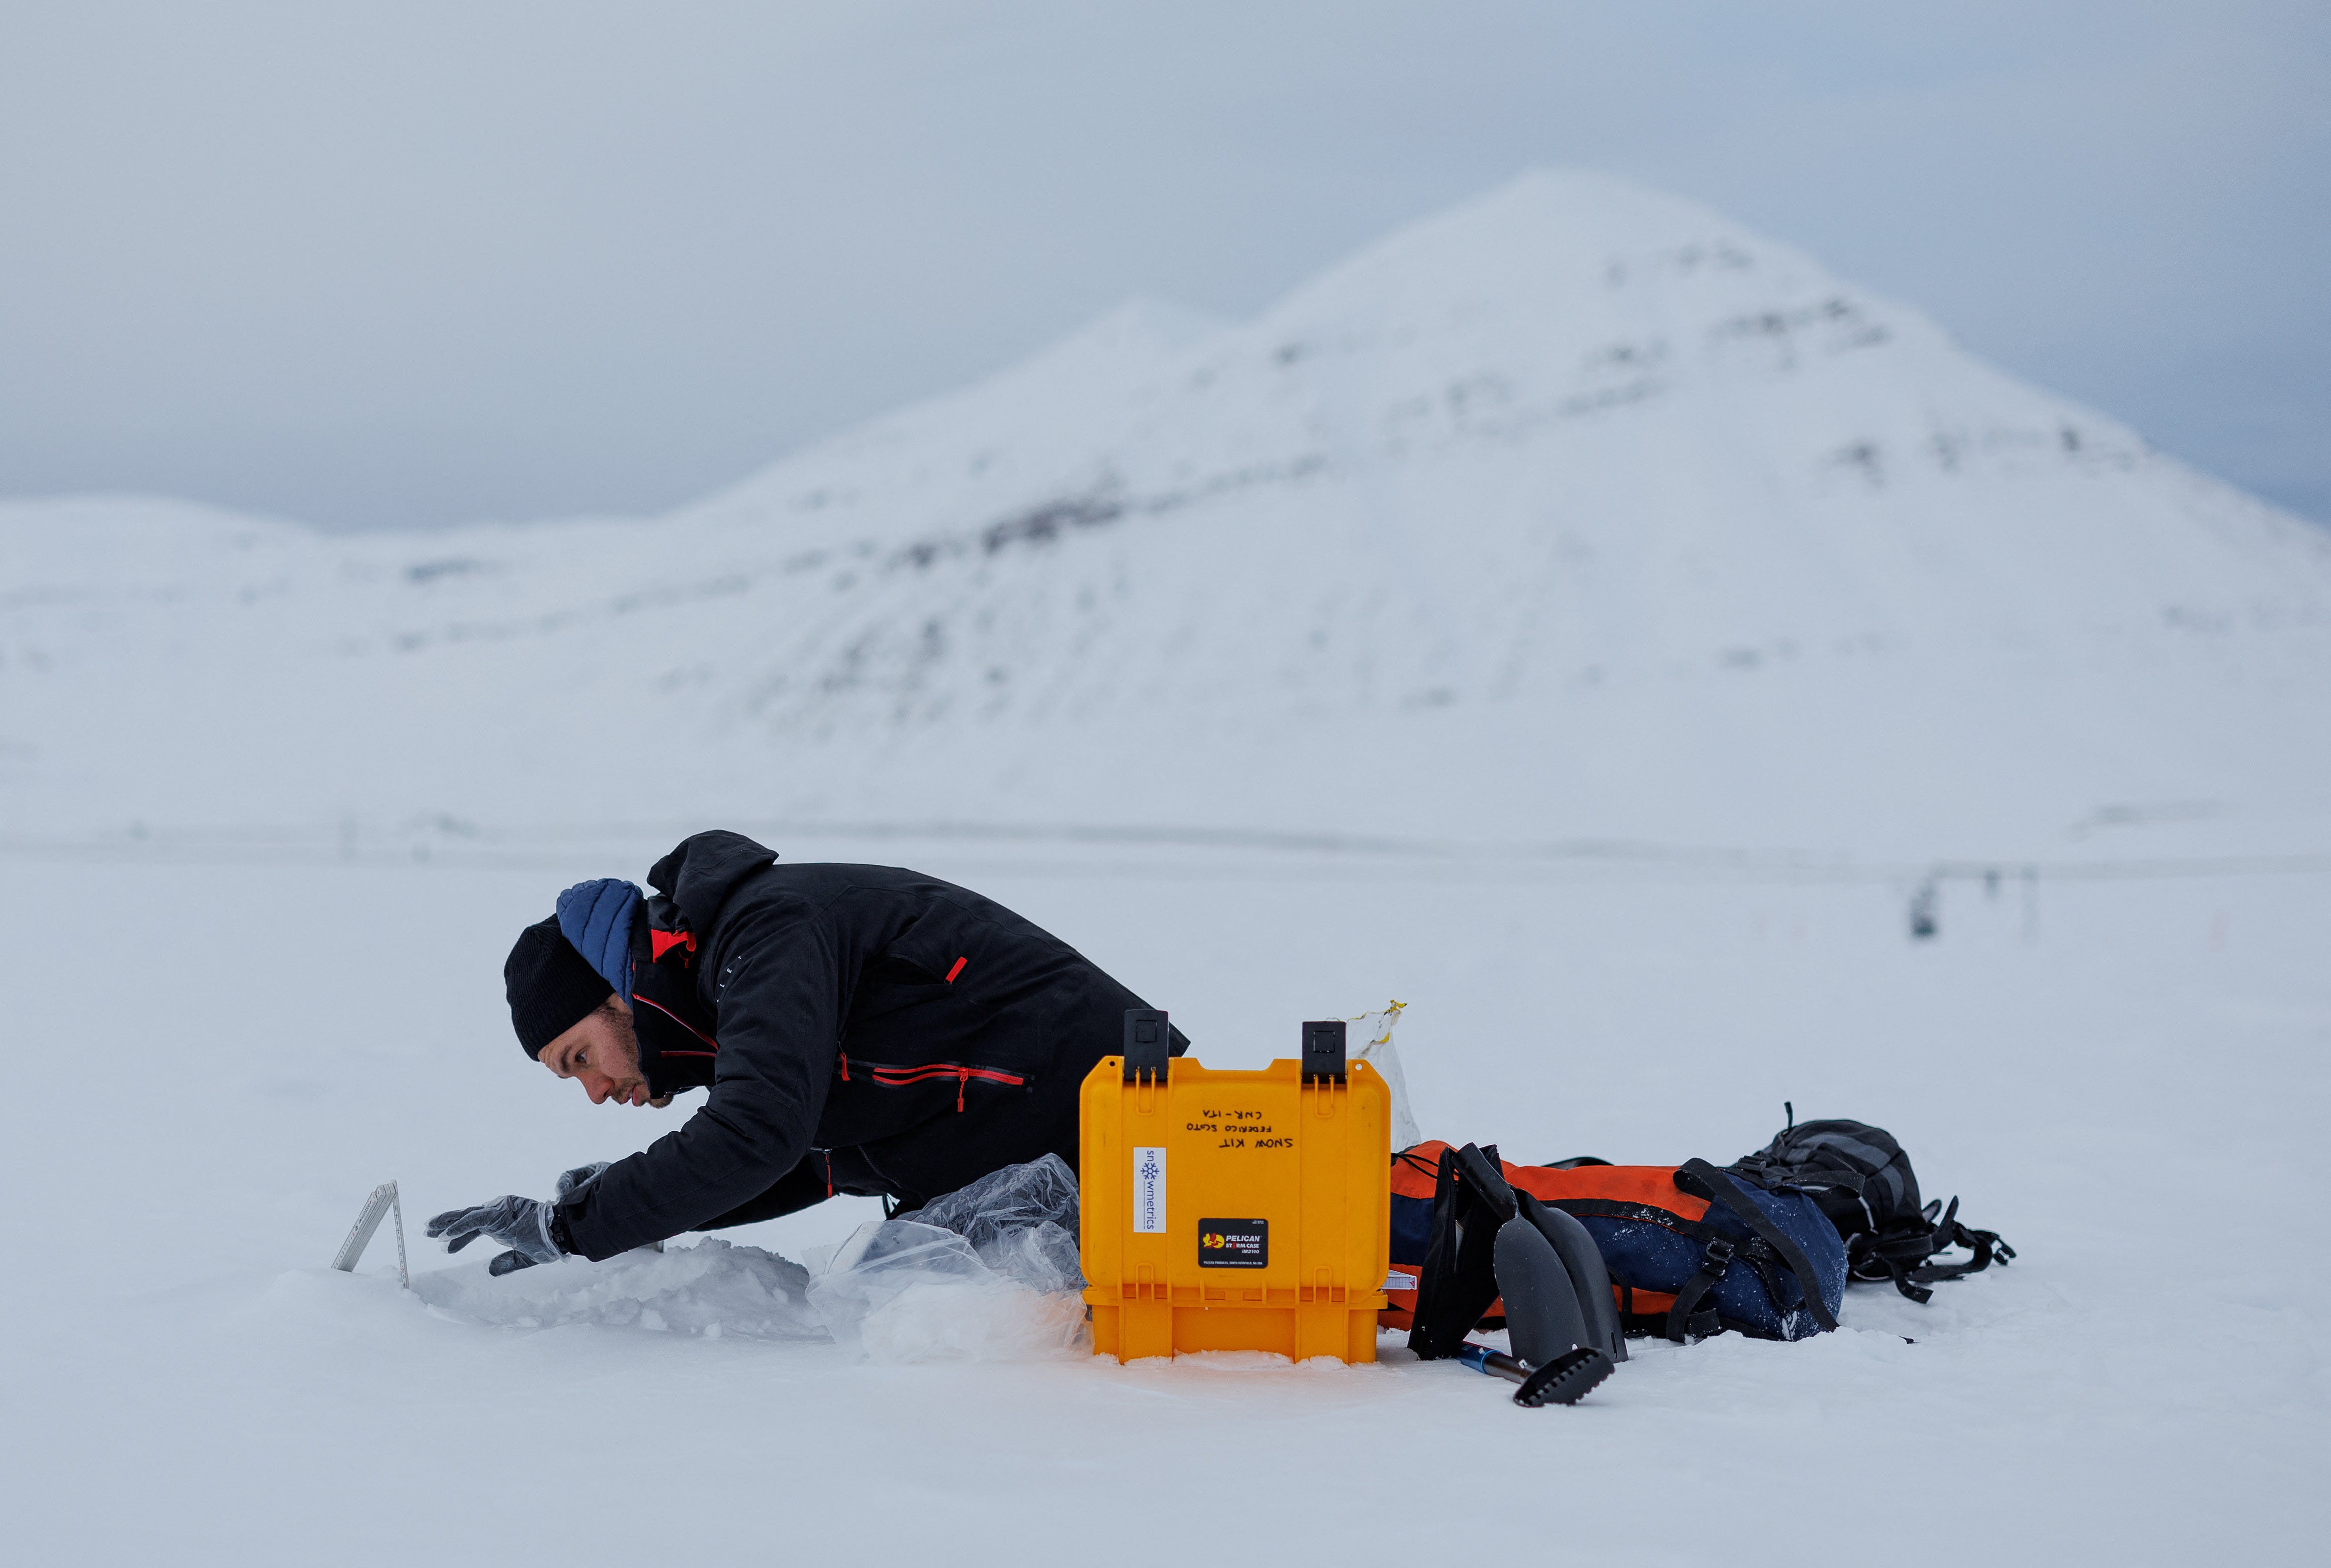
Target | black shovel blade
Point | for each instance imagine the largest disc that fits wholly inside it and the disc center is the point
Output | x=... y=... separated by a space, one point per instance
x=1565 y=1380
x=1575 y=1247
x=1543 y=1318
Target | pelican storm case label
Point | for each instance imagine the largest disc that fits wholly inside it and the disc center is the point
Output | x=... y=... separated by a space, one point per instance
x=1233 y=1243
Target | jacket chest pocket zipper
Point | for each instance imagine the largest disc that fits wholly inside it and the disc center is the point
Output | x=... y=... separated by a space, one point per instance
x=889 y=1076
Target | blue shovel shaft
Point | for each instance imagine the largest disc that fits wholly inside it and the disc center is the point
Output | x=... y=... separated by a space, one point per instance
x=1493 y=1363
x=1565 y=1379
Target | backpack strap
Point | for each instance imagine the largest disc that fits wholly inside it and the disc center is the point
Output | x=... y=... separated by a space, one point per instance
x=1722 y=1190
x=1812 y=1178
x=1480 y=1167
x=1650 y=1320
x=1713 y=1261
x=1722 y=1251
x=1986 y=1245
x=1896 y=1257
x=1457 y=1282
x=1948 y=1233
x=1904 y=1254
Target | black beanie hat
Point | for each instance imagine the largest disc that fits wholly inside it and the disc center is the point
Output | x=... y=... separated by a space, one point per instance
x=551 y=987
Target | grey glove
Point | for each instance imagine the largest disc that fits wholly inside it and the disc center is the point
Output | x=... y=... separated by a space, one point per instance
x=573 y=1182
x=520 y=1224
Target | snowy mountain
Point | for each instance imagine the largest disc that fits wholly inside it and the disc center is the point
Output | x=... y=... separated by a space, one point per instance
x=1576 y=511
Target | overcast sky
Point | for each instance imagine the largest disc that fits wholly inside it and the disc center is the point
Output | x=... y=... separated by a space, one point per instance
x=409 y=264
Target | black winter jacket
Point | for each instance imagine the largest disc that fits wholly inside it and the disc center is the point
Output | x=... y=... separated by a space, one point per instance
x=862 y=1029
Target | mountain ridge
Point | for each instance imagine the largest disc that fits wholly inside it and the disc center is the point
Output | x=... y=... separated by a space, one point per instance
x=1574 y=460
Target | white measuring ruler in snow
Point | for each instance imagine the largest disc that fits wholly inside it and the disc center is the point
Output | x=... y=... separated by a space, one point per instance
x=382 y=1202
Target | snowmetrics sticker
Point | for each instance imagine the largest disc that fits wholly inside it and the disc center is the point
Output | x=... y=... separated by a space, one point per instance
x=1233 y=1243
x=1149 y=1190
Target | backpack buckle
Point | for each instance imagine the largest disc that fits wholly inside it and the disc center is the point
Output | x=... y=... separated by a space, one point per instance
x=1682 y=1319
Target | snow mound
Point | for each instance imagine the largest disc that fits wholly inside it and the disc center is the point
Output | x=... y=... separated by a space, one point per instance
x=714 y=1289
x=901 y=1291
x=989 y=1273
x=991 y=1319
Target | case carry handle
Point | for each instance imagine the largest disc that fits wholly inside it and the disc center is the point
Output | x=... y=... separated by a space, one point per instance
x=1148 y=1044
x=1323 y=1051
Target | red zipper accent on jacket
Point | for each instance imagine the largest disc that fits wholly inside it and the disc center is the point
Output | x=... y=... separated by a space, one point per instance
x=691 y=1029
x=899 y=1076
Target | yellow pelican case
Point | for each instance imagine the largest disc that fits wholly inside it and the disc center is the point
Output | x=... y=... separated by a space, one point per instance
x=1235 y=1211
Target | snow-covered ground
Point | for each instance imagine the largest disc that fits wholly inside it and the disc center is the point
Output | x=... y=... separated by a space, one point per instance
x=216 y=1061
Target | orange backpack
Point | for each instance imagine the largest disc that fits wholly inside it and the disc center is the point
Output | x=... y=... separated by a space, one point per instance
x=1690 y=1251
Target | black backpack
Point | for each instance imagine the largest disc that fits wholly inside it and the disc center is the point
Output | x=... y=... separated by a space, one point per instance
x=1863 y=1182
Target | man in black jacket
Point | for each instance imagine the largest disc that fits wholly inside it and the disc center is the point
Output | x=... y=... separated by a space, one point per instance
x=860 y=1029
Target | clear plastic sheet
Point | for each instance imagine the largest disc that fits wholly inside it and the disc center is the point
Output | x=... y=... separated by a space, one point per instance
x=1370 y=1040
x=988 y=1273
x=1022 y=1221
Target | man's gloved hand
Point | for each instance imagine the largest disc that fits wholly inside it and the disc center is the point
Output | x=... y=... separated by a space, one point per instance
x=573 y=1182
x=520 y=1224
